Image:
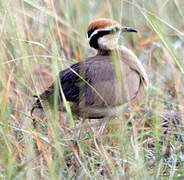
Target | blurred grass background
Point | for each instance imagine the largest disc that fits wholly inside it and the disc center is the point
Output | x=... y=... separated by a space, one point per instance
x=40 y=38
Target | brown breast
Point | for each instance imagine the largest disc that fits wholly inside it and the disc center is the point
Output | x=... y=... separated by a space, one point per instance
x=113 y=82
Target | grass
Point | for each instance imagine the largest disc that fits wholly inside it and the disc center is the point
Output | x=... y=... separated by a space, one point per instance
x=40 y=38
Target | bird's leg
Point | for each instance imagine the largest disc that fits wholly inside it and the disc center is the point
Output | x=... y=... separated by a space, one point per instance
x=98 y=136
x=99 y=146
x=79 y=130
x=102 y=127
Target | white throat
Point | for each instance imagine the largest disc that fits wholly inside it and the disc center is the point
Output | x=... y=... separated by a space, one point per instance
x=108 y=42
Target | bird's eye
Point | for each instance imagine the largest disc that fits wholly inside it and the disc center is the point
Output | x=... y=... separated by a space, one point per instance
x=115 y=30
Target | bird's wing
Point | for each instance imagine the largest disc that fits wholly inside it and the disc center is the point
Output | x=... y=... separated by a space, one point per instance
x=131 y=59
x=70 y=81
x=86 y=81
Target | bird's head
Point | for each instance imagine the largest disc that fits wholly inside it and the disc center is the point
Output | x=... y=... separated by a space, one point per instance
x=104 y=33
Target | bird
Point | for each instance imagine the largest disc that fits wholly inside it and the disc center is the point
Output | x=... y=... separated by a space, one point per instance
x=102 y=85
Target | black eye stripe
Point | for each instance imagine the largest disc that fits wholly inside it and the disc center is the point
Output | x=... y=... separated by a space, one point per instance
x=104 y=32
x=93 y=40
x=90 y=32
